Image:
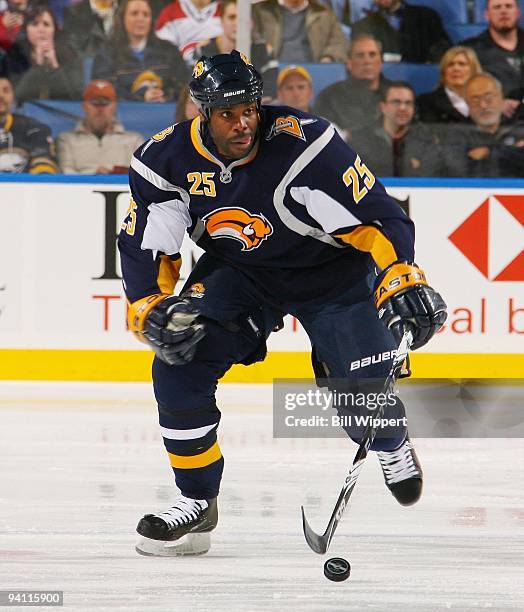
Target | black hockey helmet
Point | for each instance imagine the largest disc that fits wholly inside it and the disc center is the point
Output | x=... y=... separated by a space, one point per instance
x=224 y=80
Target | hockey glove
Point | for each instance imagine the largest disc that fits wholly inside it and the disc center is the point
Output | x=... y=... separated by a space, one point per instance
x=403 y=297
x=173 y=330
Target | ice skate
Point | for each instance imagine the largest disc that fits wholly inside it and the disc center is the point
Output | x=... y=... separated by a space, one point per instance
x=181 y=530
x=402 y=473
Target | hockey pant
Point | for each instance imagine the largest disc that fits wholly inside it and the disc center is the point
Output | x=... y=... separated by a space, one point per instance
x=239 y=318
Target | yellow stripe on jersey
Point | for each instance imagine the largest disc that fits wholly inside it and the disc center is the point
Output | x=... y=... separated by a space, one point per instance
x=371 y=240
x=197 y=141
x=196 y=461
x=168 y=274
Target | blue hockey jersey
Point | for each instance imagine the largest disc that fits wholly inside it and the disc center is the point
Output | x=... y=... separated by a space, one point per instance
x=300 y=214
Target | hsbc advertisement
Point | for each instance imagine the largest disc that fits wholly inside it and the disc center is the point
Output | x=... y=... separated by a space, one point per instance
x=60 y=284
x=470 y=242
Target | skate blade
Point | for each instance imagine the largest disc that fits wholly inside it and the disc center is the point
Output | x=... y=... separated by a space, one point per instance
x=190 y=544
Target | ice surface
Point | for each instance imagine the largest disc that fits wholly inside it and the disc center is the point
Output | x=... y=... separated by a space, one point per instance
x=80 y=463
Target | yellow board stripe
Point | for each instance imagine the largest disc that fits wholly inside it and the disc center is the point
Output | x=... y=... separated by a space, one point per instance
x=371 y=240
x=131 y=366
x=196 y=461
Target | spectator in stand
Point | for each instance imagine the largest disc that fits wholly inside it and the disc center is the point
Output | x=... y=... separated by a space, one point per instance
x=396 y=145
x=447 y=103
x=11 y=22
x=295 y=88
x=226 y=42
x=99 y=144
x=353 y=103
x=41 y=63
x=300 y=31
x=487 y=148
x=186 y=23
x=141 y=66
x=89 y=24
x=25 y=144
x=500 y=50
x=407 y=33
x=185 y=107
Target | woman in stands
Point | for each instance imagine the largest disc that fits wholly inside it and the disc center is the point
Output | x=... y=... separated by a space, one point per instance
x=447 y=104
x=41 y=64
x=141 y=66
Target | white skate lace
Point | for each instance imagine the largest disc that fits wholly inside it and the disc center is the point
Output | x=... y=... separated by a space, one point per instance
x=183 y=512
x=398 y=465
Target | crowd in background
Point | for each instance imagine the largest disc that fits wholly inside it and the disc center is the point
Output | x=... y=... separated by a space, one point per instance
x=103 y=52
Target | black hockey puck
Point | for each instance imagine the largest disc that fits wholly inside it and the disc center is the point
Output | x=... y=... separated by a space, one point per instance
x=337 y=569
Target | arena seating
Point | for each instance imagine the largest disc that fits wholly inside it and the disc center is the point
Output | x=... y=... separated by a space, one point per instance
x=451 y=11
x=147 y=119
x=460 y=31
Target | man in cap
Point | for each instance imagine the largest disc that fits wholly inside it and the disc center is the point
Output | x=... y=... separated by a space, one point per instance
x=295 y=88
x=99 y=144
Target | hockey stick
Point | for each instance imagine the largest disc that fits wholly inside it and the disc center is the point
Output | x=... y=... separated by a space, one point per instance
x=320 y=543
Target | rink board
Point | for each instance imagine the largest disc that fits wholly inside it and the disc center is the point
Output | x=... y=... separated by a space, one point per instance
x=62 y=310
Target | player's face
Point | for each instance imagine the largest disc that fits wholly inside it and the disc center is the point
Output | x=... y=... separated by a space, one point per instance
x=7 y=97
x=365 y=61
x=296 y=91
x=137 y=19
x=399 y=107
x=234 y=128
x=229 y=21
x=502 y=15
x=457 y=72
x=485 y=102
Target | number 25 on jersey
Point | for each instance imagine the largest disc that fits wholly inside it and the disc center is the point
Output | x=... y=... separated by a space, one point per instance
x=354 y=174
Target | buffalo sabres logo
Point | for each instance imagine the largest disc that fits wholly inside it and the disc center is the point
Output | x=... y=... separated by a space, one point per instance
x=197 y=290
x=239 y=224
x=289 y=125
x=198 y=69
x=163 y=134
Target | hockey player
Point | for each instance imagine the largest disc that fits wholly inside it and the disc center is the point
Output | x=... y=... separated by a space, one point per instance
x=291 y=221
